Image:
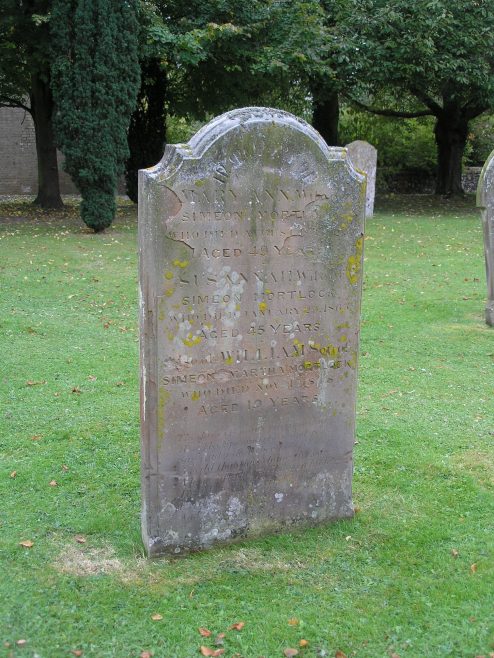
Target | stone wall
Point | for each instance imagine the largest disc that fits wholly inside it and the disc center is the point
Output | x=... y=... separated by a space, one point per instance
x=18 y=164
x=420 y=182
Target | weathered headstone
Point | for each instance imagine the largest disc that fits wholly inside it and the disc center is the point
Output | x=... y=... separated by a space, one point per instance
x=251 y=241
x=364 y=158
x=485 y=200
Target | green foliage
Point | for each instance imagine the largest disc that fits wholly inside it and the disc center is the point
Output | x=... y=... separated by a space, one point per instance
x=402 y=144
x=95 y=78
x=24 y=47
x=224 y=54
x=480 y=140
x=429 y=56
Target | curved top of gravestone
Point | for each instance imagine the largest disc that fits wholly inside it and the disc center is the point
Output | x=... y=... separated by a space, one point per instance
x=250 y=115
x=485 y=188
x=246 y=118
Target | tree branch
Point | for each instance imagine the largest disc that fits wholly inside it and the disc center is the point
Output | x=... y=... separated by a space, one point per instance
x=435 y=108
x=11 y=102
x=390 y=113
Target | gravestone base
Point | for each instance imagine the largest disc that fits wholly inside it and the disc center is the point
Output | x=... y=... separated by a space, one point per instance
x=251 y=253
x=223 y=518
x=489 y=314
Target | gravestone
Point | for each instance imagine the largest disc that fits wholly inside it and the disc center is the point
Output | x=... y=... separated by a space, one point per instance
x=250 y=241
x=364 y=158
x=485 y=200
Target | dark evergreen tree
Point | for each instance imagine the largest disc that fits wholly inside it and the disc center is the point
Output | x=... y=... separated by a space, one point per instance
x=147 y=130
x=95 y=79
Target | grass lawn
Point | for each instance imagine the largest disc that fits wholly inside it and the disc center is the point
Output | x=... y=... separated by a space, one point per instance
x=411 y=576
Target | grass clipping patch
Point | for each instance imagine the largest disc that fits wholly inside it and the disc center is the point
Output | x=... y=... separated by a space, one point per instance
x=82 y=561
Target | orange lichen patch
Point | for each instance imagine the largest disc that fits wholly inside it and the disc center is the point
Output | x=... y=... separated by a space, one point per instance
x=180 y=263
x=191 y=341
x=354 y=263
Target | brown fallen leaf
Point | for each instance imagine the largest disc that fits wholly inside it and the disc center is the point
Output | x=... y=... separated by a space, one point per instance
x=65 y=467
x=76 y=389
x=289 y=652
x=21 y=643
x=473 y=567
x=204 y=632
x=237 y=627
x=119 y=384
x=146 y=654
x=293 y=621
x=455 y=552
x=304 y=643
x=53 y=483
x=206 y=651
x=157 y=617
x=13 y=474
x=27 y=543
x=92 y=378
x=77 y=652
x=339 y=654
x=80 y=539
x=36 y=437
x=33 y=383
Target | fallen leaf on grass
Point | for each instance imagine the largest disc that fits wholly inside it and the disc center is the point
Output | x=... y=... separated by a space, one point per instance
x=473 y=567
x=53 y=483
x=340 y=654
x=204 y=632
x=76 y=389
x=293 y=621
x=33 y=383
x=304 y=643
x=21 y=643
x=455 y=552
x=77 y=652
x=36 y=437
x=92 y=378
x=13 y=474
x=237 y=627
x=206 y=651
x=146 y=654
x=395 y=655
x=27 y=543
x=80 y=539
x=157 y=617
x=289 y=652
x=219 y=638
x=65 y=467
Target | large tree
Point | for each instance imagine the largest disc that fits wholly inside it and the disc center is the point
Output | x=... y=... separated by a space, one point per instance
x=207 y=57
x=25 y=83
x=95 y=79
x=434 y=57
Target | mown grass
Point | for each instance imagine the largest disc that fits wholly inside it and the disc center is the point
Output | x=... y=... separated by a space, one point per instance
x=411 y=575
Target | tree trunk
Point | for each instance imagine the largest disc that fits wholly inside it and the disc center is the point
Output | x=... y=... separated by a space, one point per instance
x=451 y=133
x=147 y=130
x=325 y=116
x=46 y=152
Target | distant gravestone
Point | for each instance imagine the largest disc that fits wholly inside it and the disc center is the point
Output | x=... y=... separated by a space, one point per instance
x=251 y=241
x=364 y=158
x=485 y=200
